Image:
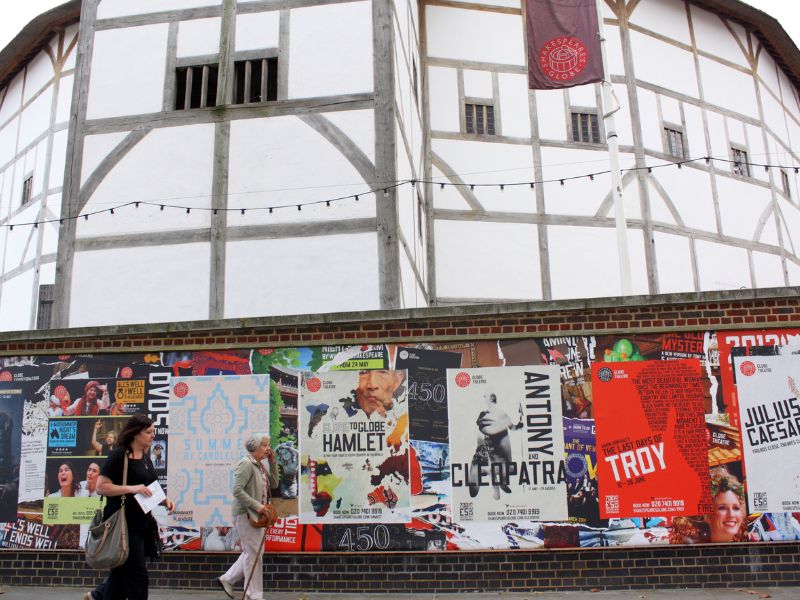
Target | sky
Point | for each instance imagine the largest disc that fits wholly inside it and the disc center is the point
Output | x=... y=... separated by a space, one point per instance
x=15 y=14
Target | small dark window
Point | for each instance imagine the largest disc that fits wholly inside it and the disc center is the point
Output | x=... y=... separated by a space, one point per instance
x=255 y=80
x=196 y=87
x=785 y=181
x=675 y=142
x=414 y=79
x=585 y=128
x=27 y=189
x=741 y=162
x=45 y=311
x=479 y=118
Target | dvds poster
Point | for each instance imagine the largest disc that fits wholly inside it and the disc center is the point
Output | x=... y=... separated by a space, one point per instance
x=506 y=444
x=769 y=411
x=354 y=447
x=652 y=448
x=210 y=419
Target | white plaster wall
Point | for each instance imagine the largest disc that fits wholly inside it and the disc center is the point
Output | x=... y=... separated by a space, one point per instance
x=694 y=135
x=171 y=165
x=47 y=272
x=713 y=36
x=38 y=74
x=64 y=98
x=478 y=84
x=281 y=161
x=794 y=274
x=501 y=260
x=58 y=160
x=15 y=303
x=741 y=205
x=719 y=80
x=313 y=275
x=70 y=34
x=651 y=126
x=623 y=116
x=462 y=34
x=108 y=9
x=8 y=141
x=674 y=260
x=514 y=106
x=330 y=50
x=18 y=239
x=358 y=126
x=411 y=294
x=96 y=148
x=584 y=263
x=11 y=103
x=791 y=216
x=663 y=64
x=666 y=17
x=768 y=269
x=491 y=163
x=616 y=63
x=51 y=230
x=719 y=139
x=35 y=118
x=550 y=115
x=670 y=109
x=199 y=37
x=127 y=73
x=690 y=192
x=448 y=197
x=255 y=31
x=443 y=99
x=140 y=285
x=722 y=267
x=582 y=95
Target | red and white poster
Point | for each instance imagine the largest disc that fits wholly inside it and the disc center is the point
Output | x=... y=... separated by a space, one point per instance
x=652 y=450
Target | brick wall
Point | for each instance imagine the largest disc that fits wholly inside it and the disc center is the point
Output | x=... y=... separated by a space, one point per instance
x=742 y=565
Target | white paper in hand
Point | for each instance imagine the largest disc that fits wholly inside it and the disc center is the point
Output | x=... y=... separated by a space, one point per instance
x=149 y=502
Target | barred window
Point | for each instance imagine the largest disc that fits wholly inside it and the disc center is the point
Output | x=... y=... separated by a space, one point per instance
x=255 y=80
x=27 y=189
x=741 y=162
x=585 y=128
x=196 y=87
x=785 y=182
x=479 y=118
x=675 y=145
x=45 y=311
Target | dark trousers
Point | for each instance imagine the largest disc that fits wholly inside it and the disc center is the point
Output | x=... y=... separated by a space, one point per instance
x=130 y=580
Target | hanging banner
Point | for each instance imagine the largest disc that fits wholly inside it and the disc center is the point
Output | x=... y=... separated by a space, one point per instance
x=769 y=410
x=652 y=448
x=563 y=43
x=354 y=447
x=506 y=444
x=210 y=418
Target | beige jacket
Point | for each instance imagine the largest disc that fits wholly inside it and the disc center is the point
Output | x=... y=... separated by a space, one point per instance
x=248 y=486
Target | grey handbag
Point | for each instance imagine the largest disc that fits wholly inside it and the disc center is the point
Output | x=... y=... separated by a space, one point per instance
x=107 y=541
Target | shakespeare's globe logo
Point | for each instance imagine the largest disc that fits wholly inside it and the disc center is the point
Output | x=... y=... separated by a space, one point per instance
x=747 y=368
x=463 y=379
x=314 y=384
x=563 y=58
x=181 y=390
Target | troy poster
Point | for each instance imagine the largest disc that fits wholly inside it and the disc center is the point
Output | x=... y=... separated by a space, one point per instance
x=354 y=447
x=769 y=405
x=506 y=444
x=652 y=450
x=210 y=418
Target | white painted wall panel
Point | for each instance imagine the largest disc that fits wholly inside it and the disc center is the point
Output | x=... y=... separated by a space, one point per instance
x=623 y=116
x=712 y=36
x=443 y=94
x=614 y=47
x=47 y=272
x=70 y=34
x=550 y=115
x=758 y=153
x=58 y=160
x=35 y=118
x=270 y=165
x=12 y=101
x=359 y=126
x=651 y=126
x=666 y=17
x=51 y=230
x=39 y=73
x=689 y=190
x=170 y=284
x=39 y=157
x=794 y=274
x=461 y=34
x=514 y=106
x=670 y=110
x=64 y=98
x=768 y=270
x=478 y=84
x=741 y=205
x=137 y=88
x=768 y=75
x=96 y=148
x=663 y=64
x=312 y=275
x=199 y=36
x=694 y=136
x=15 y=303
x=8 y=141
x=719 y=80
x=718 y=137
x=584 y=263
x=582 y=95
x=409 y=290
x=19 y=238
x=791 y=216
x=722 y=267
x=450 y=196
x=179 y=159
x=501 y=260
x=674 y=260
x=489 y=163
x=330 y=50
x=108 y=9
x=255 y=31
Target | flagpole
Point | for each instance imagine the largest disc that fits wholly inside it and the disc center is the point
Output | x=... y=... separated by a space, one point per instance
x=613 y=152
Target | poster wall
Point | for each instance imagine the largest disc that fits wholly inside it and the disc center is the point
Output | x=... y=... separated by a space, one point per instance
x=413 y=460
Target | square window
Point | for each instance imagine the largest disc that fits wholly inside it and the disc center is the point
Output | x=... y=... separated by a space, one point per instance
x=674 y=139
x=741 y=162
x=585 y=128
x=255 y=81
x=479 y=118
x=196 y=87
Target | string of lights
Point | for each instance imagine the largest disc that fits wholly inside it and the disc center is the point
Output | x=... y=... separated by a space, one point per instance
x=385 y=189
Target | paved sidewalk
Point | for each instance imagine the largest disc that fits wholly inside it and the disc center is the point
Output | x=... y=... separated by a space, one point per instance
x=785 y=593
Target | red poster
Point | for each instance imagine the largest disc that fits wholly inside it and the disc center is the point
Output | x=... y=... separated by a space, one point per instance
x=730 y=339
x=652 y=449
x=287 y=535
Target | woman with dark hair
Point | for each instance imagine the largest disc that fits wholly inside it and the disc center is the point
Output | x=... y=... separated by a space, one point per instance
x=130 y=580
x=67 y=482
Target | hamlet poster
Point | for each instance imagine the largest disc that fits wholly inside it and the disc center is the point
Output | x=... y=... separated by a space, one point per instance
x=354 y=447
x=506 y=444
x=652 y=451
x=769 y=405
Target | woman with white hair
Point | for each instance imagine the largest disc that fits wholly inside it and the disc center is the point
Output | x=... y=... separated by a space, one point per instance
x=250 y=497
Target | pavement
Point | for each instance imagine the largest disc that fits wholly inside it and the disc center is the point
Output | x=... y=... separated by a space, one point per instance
x=782 y=593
